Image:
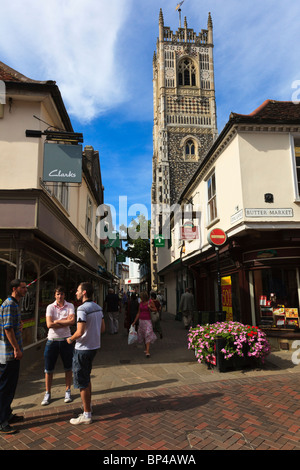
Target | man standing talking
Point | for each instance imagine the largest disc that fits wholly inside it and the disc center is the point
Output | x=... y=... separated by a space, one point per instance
x=90 y=325
x=60 y=315
x=11 y=352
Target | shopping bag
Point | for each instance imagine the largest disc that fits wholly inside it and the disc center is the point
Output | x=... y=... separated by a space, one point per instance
x=132 y=336
x=154 y=316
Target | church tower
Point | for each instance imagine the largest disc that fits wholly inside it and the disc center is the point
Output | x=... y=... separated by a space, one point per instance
x=185 y=123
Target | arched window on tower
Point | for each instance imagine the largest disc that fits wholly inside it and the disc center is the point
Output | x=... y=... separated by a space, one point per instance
x=186 y=73
x=189 y=149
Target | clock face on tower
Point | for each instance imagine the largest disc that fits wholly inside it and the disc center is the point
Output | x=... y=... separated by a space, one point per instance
x=205 y=74
x=170 y=73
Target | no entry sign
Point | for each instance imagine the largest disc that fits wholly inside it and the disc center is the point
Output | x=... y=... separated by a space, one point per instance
x=217 y=237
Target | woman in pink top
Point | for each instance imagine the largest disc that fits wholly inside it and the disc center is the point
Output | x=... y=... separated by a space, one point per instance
x=145 y=330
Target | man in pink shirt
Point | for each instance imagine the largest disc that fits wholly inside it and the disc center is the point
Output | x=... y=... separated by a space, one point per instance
x=60 y=315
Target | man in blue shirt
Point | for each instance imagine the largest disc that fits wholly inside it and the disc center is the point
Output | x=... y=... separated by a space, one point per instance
x=11 y=352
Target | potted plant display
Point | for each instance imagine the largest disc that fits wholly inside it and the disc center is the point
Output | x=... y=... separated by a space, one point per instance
x=228 y=345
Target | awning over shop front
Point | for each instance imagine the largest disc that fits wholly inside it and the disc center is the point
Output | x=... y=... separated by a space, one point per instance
x=69 y=263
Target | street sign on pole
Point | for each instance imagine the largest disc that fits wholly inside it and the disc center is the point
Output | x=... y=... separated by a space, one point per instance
x=217 y=237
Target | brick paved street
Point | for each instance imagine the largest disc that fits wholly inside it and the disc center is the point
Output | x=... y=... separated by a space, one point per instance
x=164 y=405
x=248 y=413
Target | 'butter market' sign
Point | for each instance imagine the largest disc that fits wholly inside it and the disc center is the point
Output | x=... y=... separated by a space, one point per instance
x=62 y=163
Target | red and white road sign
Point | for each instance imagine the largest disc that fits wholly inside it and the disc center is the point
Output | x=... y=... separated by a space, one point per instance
x=217 y=237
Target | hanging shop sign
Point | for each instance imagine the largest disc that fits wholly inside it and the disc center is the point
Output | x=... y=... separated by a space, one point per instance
x=62 y=163
x=188 y=231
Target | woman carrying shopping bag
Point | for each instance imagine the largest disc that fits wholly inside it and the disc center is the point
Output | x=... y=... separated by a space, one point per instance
x=145 y=331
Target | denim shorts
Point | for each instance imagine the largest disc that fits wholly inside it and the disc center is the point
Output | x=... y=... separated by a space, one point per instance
x=53 y=349
x=82 y=367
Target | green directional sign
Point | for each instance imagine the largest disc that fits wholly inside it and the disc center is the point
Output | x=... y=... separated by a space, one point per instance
x=114 y=241
x=159 y=241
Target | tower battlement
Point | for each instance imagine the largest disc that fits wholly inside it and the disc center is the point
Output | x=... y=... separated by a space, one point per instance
x=185 y=34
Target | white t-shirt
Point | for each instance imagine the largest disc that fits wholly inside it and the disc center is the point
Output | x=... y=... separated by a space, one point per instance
x=92 y=314
x=59 y=313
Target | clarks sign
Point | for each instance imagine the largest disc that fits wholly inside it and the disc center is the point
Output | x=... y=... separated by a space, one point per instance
x=62 y=163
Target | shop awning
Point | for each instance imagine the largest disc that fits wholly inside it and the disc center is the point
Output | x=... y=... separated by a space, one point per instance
x=71 y=262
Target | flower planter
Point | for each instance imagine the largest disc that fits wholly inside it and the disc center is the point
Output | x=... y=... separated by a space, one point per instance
x=235 y=362
x=228 y=345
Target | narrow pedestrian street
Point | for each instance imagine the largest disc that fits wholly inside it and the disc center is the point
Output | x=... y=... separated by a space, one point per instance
x=168 y=402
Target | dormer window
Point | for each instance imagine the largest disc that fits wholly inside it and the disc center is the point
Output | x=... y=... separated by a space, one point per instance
x=186 y=73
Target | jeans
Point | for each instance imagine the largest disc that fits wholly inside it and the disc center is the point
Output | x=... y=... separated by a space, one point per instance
x=55 y=348
x=82 y=367
x=9 y=375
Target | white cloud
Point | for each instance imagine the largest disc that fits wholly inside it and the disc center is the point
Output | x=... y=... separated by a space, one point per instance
x=100 y=51
x=73 y=42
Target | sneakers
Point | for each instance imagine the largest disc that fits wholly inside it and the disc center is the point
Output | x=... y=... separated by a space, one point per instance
x=46 y=399
x=68 y=398
x=5 y=428
x=81 y=420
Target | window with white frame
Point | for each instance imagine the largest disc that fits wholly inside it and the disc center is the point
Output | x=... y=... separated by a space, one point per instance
x=211 y=198
x=89 y=217
x=61 y=192
x=297 y=163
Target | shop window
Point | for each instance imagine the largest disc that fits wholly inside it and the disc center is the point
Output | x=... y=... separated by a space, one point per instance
x=211 y=199
x=28 y=303
x=276 y=294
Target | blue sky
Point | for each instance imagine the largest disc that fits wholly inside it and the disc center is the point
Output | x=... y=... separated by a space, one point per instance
x=100 y=54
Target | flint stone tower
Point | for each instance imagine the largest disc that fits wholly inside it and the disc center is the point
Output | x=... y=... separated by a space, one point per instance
x=185 y=123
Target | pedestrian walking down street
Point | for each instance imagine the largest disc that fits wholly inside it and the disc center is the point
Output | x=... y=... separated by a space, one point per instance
x=146 y=334
x=156 y=324
x=112 y=308
x=186 y=306
x=90 y=325
x=161 y=301
x=60 y=315
x=11 y=352
x=132 y=308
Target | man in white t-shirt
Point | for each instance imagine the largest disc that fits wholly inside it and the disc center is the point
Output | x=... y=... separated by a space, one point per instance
x=60 y=315
x=90 y=325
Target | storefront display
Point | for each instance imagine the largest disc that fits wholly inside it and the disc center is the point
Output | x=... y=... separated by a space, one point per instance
x=277 y=316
